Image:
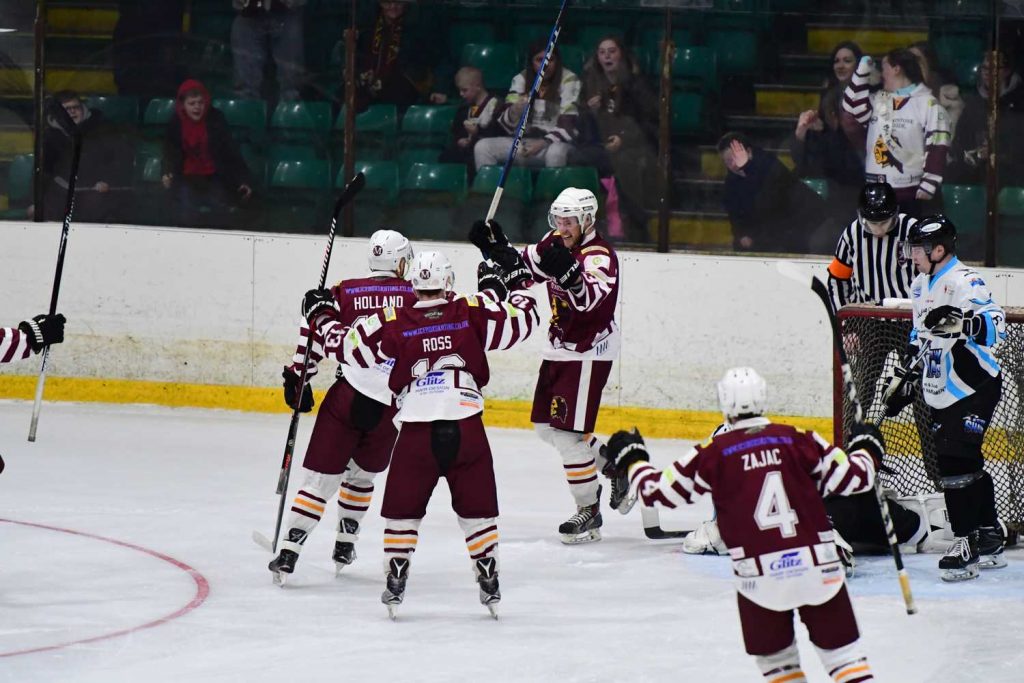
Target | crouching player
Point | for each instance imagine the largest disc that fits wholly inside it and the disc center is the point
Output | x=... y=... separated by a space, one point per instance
x=767 y=482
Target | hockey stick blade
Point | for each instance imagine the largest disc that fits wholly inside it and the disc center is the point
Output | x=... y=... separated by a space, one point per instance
x=262 y=541
x=651 y=520
x=353 y=188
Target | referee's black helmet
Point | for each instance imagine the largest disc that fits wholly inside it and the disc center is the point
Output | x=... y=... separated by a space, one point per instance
x=877 y=202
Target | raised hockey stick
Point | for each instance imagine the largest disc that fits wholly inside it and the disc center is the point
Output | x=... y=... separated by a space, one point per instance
x=64 y=119
x=347 y=195
x=819 y=288
x=521 y=128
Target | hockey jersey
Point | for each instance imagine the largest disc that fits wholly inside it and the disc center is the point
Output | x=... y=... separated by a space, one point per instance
x=437 y=349
x=358 y=298
x=582 y=325
x=13 y=345
x=767 y=482
x=955 y=368
x=554 y=120
x=907 y=135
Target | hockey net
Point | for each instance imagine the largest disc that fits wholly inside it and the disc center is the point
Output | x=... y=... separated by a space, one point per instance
x=875 y=339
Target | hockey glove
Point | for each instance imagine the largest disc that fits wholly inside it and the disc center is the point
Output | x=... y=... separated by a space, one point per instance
x=975 y=326
x=900 y=392
x=488 y=277
x=946 y=322
x=867 y=437
x=558 y=262
x=291 y=391
x=318 y=305
x=624 y=449
x=43 y=330
x=486 y=236
x=513 y=270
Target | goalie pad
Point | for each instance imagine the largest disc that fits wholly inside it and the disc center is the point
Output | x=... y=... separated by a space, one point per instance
x=705 y=540
x=937 y=534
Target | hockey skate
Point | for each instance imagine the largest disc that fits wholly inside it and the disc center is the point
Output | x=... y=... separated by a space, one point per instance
x=619 y=499
x=585 y=525
x=398 y=572
x=283 y=565
x=960 y=563
x=990 y=547
x=487 y=577
x=345 y=547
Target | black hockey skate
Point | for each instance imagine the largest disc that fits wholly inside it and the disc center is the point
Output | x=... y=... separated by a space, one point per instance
x=398 y=572
x=345 y=550
x=487 y=577
x=960 y=563
x=990 y=547
x=585 y=525
x=282 y=565
x=619 y=498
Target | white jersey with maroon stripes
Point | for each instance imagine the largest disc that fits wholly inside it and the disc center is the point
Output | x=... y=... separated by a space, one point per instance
x=13 y=345
x=767 y=482
x=437 y=349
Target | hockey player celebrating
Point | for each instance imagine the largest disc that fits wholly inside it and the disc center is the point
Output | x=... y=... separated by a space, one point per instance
x=767 y=482
x=354 y=433
x=954 y=312
x=581 y=271
x=438 y=352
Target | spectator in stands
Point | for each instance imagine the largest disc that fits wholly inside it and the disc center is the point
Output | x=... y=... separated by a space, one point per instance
x=202 y=163
x=819 y=145
x=399 y=56
x=263 y=26
x=474 y=118
x=769 y=208
x=942 y=84
x=551 y=128
x=968 y=156
x=104 y=168
x=904 y=129
x=618 y=134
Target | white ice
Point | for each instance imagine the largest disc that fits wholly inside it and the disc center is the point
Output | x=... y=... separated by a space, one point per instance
x=192 y=485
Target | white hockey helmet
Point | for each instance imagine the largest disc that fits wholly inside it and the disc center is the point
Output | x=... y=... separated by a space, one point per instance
x=387 y=249
x=742 y=391
x=432 y=270
x=575 y=201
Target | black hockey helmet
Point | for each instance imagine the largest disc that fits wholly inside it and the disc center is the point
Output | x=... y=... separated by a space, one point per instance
x=877 y=202
x=931 y=231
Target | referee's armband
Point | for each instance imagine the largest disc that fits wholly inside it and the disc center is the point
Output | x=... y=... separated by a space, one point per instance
x=839 y=270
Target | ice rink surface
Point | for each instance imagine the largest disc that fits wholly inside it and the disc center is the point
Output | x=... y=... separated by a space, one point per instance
x=127 y=557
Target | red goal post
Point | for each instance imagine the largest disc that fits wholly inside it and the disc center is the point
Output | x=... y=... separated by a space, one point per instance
x=875 y=339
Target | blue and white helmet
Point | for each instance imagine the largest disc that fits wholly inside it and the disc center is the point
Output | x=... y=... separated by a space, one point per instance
x=742 y=391
x=431 y=270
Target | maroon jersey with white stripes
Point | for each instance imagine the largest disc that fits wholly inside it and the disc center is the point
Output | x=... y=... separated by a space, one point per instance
x=584 y=317
x=13 y=345
x=437 y=349
x=767 y=482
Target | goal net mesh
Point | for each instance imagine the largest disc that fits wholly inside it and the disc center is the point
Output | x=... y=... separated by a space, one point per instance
x=875 y=340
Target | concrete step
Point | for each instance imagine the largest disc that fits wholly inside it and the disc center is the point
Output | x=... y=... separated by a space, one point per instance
x=875 y=41
x=93 y=19
x=691 y=229
x=784 y=99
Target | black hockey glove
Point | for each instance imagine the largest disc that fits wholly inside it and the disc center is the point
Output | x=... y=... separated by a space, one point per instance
x=318 y=304
x=558 y=262
x=900 y=392
x=291 y=391
x=487 y=237
x=867 y=437
x=43 y=330
x=512 y=268
x=488 y=277
x=624 y=449
x=945 y=321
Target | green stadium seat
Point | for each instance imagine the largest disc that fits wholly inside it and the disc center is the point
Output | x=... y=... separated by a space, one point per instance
x=736 y=50
x=382 y=180
x=429 y=199
x=301 y=174
x=450 y=178
x=285 y=152
x=963 y=52
x=247 y=118
x=256 y=162
x=158 y=113
x=461 y=33
x=574 y=57
x=426 y=125
x=551 y=181
x=687 y=113
x=499 y=62
x=1011 y=201
x=376 y=131
x=518 y=184
x=299 y=191
x=588 y=36
x=19 y=179
x=513 y=210
x=116 y=108
x=695 y=66
x=213 y=22
x=525 y=32
x=965 y=205
x=819 y=185
x=301 y=121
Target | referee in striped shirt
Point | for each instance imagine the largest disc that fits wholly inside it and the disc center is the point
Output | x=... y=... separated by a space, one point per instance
x=869 y=264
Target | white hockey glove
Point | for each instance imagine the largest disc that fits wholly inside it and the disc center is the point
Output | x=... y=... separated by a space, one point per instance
x=705 y=540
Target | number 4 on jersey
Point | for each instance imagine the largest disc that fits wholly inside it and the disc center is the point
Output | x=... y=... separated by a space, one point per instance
x=773 y=510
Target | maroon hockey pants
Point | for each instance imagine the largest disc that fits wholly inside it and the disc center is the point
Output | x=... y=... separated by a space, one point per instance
x=350 y=426
x=568 y=393
x=830 y=624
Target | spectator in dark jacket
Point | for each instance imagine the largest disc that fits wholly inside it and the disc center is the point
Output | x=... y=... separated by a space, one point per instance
x=104 y=168
x=202 y=163
x=769 y=208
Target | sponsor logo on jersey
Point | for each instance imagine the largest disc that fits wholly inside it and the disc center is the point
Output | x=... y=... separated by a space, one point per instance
x=751 y=444
x=974 y=424
x=433 y=314
x=790 y=560
x=559 y=409
x=947 y=289
x=976 y=282
x=916 y=292
x=434 y=329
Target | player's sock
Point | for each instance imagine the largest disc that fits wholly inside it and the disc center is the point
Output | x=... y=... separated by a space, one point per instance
x=782 y=666
x=846 y=664
x=354 y=497
x=306 y=511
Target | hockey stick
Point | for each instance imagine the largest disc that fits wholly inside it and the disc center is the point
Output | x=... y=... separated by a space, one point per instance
x=65 y=121
x=521 y=128
x=819 y=288
x=347 y=195
x=652 y=525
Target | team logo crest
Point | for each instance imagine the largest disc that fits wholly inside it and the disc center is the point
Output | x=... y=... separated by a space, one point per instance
x=377 y=250
x=884 y=156
x=425 y=274
x=974 y=424
x=559 y=409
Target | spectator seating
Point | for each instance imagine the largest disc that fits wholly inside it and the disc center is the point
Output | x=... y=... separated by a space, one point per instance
x=301 y=189
x=426 y=125
x=499 y=62
x=158 y=113
x=966 y=206
x=819 y=185
x=688 y=115
x=428 y=197
x=376 y=132
x=695 y=68
x=247 y=118
x=119 y=109
x=302 y=122
x=377 y=201
x=515 y=199
x=19 y=187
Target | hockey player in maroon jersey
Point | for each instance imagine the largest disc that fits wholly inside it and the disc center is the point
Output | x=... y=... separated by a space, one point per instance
x=438 y=352
x=767 y=482
x=353 y=433
x=581 y=271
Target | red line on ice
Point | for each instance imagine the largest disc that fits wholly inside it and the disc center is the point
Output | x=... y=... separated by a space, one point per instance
x=202 y=589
